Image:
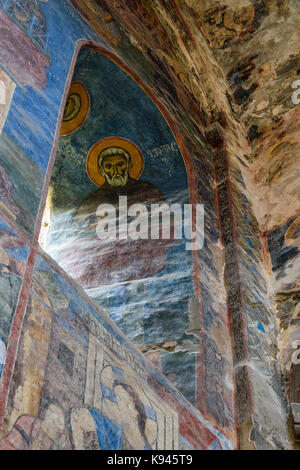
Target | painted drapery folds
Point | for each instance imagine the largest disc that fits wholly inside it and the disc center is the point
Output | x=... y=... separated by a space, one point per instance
x=124 y=147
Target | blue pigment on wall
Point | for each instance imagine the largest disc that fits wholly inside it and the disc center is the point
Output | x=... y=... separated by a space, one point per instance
x=156 y=309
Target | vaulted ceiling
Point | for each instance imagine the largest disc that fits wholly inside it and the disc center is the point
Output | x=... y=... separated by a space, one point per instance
x=226 y=61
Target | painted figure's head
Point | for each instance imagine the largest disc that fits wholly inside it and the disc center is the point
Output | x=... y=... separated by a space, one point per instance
x=114 y=164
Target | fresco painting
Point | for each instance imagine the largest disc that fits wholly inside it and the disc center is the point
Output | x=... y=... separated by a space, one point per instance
x=76 y=108
x=33 y=114
x=33 y=95
x=203 y=326
x=114 y=164
x=77 y=384
x=151 y=424
x=101 y=19
x=25 y=145
x=13 y=259
x=260 y=322
x=283 y=244
x=24 y=42
x=21 y=183
x=155 y=298
x=150 y=324
x=7 y=88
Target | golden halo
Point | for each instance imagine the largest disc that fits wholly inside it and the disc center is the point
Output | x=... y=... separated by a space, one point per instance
x=292 y=235
x=137 y=158
x=76 y=108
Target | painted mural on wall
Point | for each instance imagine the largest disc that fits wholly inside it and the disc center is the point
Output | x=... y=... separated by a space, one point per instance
x=123 y=147
x=13 y=257
x=28 y=131
x=283 y=243
x=214 y=363
x=77 y=384
x=20 y=184
x=25 y=147
x=260 y=319
x=7 y=88
x=76 y=108
x=114 y=164
x=100 y=18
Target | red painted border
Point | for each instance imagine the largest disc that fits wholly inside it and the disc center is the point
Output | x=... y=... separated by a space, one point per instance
x=15 y=333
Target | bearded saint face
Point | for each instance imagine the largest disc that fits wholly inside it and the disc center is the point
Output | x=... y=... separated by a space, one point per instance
x=115 y=169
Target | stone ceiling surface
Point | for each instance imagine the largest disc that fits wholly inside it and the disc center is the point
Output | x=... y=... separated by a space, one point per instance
x=230 y=61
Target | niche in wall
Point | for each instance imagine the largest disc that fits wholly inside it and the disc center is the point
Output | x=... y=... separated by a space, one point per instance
x=144 y=285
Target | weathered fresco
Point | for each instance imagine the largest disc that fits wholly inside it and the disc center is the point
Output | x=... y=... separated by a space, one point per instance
x=24 y=42
x=283 y=244
x=221 y=73
x=214 y=360
x=133 y=280
x=7 y=88
x=49 y=374
x=261 y=327
x=21 y=184
x=78 y=384
x=283 y=250
x=36 y=344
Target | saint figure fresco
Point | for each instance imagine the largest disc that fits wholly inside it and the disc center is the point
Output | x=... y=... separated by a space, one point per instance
x=114 y=164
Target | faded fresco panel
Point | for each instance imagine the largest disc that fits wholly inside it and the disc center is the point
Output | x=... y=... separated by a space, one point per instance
x=7 y=88
x=29 y=373
x=13 y=258
x=145 y=285
x=23 y=37
x=268 y=408
x=21 y=183
x=77 y=384
x=114 y=392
